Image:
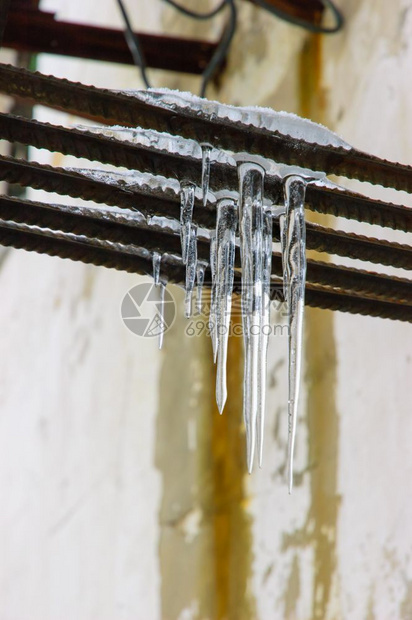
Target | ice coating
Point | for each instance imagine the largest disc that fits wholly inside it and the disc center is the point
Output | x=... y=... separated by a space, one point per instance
x=226 y=225
x=251 y=177
x=149 y=138
x=129 y=179
x=295 y=257
x=283 y=123
x=156 y=260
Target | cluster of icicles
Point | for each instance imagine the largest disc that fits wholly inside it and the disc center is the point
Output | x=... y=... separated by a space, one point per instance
x=245 y=216
x=252 y=221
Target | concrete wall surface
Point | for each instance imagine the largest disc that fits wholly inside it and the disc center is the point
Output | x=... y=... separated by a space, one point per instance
x=123 y=493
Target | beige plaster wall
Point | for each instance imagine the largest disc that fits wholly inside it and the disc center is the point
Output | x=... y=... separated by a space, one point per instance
x=123 y=492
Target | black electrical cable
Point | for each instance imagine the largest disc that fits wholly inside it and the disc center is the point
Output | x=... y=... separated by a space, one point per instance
x=296 y=21
x=218 y=57
x=195 y=15
x=222 y=48
x=224 y=44
x=134 y=45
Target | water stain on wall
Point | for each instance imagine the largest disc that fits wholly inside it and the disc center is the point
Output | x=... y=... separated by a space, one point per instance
x=320 y=527
x=205 y=542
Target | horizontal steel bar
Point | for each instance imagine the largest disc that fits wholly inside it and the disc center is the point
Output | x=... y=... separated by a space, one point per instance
x=37 y=31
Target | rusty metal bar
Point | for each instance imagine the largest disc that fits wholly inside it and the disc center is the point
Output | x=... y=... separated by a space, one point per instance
x=37 y=31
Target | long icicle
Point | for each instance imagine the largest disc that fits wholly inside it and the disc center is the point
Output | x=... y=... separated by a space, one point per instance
x=212 y=311
x=265 y=328
x=251 y=177
x=156 y=260
x=187 y=199
x=226 y=225
x=162 y=289
x=295 y=253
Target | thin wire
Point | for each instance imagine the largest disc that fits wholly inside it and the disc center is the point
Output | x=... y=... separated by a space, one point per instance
x=195 y=15
x=222 y=48
x=225 y=41
x=328 y=4
x=218 y=57
x=133 y=42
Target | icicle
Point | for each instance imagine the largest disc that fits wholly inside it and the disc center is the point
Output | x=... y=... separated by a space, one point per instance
x=295 y=254
x=265 y=328
x=187 y=198
x=212 y=311
x=162 y=288
x=226 y=224
x=156 y=258
x=251 y=177
x=191 y=262
x=206 y=148
x=200 y=278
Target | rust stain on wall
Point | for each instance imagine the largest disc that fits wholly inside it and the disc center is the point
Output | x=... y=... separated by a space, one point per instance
x=320 y=527
x=322 y=415
x=231 y=524
x=205 y=543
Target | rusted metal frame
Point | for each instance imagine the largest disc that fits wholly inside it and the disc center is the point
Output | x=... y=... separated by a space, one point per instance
x=111 y=258
x=78 y=185
x=4 y=16
x=123 y=109
x=305 y=10
x=122 y=153
x=69 y=220
x=37 y=31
